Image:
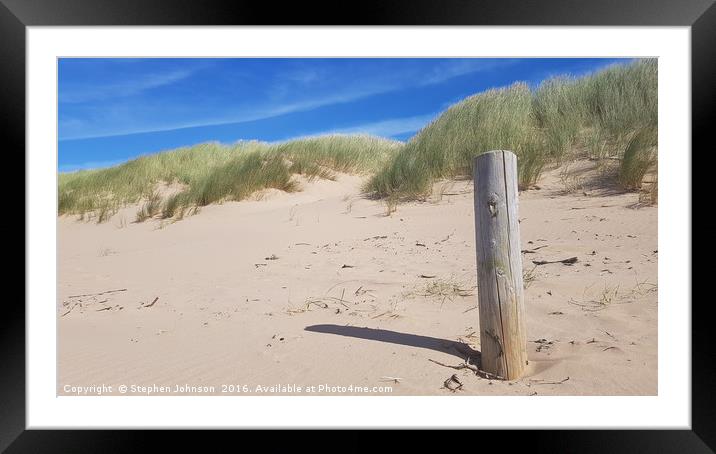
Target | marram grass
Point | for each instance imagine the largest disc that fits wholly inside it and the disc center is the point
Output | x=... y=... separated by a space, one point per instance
x=602 y=112
x=213 y=173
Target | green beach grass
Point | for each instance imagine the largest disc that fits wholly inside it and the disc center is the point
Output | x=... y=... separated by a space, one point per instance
x=611 y=114
x=212 y=172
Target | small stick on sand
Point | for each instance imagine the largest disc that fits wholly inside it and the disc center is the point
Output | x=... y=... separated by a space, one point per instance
x=569 y=261
x=479 y=372
x=609 y=334
x=446 y=238
x=533 y=251
x=448 y=383
x=152 y=303
x=393 y=379
x=317 y=303
x=97 y=294
x=537 y=381
x=70 y=309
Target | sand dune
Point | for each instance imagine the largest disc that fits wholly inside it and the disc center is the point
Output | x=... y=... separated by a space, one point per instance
x=322 y=288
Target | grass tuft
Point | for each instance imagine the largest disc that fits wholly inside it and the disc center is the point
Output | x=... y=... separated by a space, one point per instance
x=639 y=157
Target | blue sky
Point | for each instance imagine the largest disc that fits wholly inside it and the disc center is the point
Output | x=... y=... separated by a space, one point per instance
x=113 y=110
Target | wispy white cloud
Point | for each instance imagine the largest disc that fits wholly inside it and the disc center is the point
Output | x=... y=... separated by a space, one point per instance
x=256 y=113
x=390 y=127
x=338 y=94
x=452 y=69
x=384 y=128
x=123 y=88
x=303 y=76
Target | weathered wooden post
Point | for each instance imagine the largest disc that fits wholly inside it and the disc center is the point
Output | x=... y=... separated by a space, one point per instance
x=503 y=340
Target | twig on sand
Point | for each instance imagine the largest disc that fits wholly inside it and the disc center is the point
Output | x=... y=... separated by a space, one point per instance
x=97 y=294
x=364 y=291
x=533 y=251
x=537 y=381
x=448 y=384
x=470 y=309
x=466 y=365
x=446 y=238
x=152 y=303
x=393 y=379
x=377 y=237
x=608 y=334
x=70 y=309
x=106 y=308
x=321 y=302
x=569 y=261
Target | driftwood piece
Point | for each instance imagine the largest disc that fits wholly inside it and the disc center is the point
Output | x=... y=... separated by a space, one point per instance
x=569 y=261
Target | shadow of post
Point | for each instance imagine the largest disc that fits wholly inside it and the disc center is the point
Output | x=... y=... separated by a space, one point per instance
x=458 y=349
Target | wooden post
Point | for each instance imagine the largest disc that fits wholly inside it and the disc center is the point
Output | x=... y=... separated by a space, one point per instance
x=503 y=341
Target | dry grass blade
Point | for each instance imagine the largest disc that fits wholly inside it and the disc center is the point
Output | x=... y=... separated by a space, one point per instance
x=444 y=289
x=97 y=294
x=70 y=309
x=152 y=303
x=393 y=379
x=537 y=381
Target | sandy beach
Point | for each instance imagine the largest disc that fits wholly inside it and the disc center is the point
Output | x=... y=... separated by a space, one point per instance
x=324 y=288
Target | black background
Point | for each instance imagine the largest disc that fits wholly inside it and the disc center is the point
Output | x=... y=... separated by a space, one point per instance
x=16 y=15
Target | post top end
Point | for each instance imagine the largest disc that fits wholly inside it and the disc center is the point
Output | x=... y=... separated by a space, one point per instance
x=487 y=153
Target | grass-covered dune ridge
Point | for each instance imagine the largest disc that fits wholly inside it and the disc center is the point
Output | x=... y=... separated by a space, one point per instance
x=612 y=113
x=213 y=172
x=609 y=116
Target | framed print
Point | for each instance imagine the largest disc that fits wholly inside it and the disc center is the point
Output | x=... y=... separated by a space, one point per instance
x=237 y=218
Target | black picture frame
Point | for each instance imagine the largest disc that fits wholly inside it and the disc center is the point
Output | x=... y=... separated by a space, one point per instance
x=700 y=15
